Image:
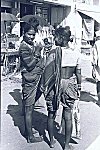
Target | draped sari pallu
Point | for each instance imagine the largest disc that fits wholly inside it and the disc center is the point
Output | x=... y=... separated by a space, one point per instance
x=52 y=74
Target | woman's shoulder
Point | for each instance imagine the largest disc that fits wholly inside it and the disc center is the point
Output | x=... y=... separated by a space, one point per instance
x=24 y=45
x=54 y=47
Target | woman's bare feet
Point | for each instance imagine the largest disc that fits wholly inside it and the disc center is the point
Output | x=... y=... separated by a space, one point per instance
x=52 y=143
x=34 y=131
x=60 y=129
x=33 y=139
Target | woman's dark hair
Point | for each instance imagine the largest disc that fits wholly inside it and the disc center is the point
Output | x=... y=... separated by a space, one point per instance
x=32 y=23
x=64 y=33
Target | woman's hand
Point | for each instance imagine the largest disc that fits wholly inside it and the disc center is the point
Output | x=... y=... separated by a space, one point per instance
x=38 y=51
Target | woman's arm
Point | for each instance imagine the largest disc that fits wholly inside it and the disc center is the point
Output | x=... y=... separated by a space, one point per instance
x=29 y=60
x=78 y=75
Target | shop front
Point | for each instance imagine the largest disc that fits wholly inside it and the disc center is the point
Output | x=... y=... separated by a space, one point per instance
x=90 y=24
x=6 y=6
x=37 y=7
x=9 y=53
x=59 y=10
x=91 y=12
x=52 y=11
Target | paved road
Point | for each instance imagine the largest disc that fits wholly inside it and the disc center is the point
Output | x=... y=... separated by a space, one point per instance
x=12 y=121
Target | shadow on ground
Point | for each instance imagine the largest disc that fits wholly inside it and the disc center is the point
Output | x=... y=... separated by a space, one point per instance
x=39 y=121
x=87 y=97
x=91 y=80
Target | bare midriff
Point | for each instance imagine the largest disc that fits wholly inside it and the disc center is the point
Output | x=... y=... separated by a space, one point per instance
x=67 y=72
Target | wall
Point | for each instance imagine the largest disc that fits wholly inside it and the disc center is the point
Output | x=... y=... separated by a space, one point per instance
x=96 y=2
x=59 y=13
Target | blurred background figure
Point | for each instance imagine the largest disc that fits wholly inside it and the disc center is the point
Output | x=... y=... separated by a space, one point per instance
x=47 y=48
x=96 y=63
x=50 y=28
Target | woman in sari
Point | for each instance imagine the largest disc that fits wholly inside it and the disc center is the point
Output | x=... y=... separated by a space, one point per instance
x=70 y=79
x=32 y=68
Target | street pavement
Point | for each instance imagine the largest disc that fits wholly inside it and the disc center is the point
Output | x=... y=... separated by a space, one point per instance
x=12 y=121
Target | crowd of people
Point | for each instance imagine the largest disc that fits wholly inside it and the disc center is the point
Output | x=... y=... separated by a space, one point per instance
x=52 y=69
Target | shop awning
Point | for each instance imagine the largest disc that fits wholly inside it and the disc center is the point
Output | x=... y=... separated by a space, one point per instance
x=35 y=1
x=94 y=15
x=59 y=2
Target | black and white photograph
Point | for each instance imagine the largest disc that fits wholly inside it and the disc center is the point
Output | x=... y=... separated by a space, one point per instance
x=50 y=75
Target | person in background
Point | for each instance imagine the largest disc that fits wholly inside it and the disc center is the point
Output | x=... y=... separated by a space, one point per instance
x=47 y=48
x=32 y=68
x=51 y=28
x=70 y=80
x=96 y=63
x=51 y=37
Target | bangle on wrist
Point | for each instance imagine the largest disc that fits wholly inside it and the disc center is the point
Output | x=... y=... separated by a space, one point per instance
x=79 y=86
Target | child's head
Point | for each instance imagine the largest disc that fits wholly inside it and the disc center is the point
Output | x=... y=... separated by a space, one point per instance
x=46 y=41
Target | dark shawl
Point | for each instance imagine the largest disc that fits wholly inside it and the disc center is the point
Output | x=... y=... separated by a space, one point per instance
x=52 y=73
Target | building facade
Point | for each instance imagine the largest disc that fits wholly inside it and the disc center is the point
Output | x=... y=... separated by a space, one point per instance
x=51 y=11
x=63 y=12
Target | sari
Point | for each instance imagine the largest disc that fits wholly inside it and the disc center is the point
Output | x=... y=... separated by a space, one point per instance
x=51 y=78
x=32 y=69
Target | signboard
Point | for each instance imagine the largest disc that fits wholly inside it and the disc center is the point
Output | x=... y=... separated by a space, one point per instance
x=88 y=29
